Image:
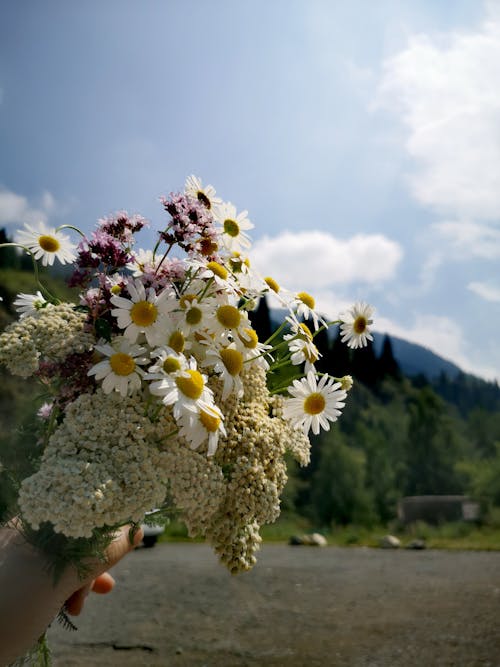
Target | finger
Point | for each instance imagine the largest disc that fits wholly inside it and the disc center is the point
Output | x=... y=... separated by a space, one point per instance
x=121 y=545
x=103 y=584
x=74 y=604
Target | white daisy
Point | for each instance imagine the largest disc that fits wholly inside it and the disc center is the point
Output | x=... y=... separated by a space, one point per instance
x=174 y=335
x=304 y=304
x=186 y=390
x=168 y=362
x=247 y=342
x=143 y=262
x=214 y=271
x=234 y=226
x=301 y=345
x=354 y=328
x=228 y=319
x=205 y=195
x=145 y=312
x=47 y=244
x=121 y=370
x=29 y=304
x=207 y=424
x=314 y=404
x=193 y=315
x=227 y=362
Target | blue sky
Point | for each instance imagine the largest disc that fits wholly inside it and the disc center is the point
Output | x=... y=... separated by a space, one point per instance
x=363 y=138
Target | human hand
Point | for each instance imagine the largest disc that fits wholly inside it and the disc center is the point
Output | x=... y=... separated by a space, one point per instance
x=29 y=599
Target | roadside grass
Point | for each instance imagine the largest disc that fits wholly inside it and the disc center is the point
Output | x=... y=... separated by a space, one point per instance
x=457 y=535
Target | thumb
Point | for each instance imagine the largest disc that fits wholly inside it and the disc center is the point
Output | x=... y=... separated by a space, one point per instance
x=125 y=541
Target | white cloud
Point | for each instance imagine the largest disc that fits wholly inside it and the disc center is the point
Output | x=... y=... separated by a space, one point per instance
x=486 y=291
x=15 y=209
x=315 y=260
x=444 y=337
x=470 y=238
x=446 y=90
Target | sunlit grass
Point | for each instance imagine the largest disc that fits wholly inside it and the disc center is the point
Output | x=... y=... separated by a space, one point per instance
x=457 y=535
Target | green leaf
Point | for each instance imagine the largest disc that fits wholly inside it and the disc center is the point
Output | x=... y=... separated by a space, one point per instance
x=103 y=329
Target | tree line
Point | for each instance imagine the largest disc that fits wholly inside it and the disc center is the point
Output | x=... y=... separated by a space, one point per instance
x=398 y=436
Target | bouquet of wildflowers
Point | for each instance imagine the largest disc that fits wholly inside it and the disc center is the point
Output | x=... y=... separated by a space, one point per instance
x=161 y=392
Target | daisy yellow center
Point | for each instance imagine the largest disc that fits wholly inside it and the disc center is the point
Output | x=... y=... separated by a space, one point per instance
x=143 y=313
x=121 y=363
x=272 y=284
x=233 y=360
x=306 y=298
x=191 y=386
x=171 y=365
x=217 y=269
x=48 y=243
x=250 y=338
x=194 y=315
x=231 y=227
x=203 y=199
x=304 y=329
x=209 y=421
x=359 y=325
x=186 y=300
x=228 y=316
x=177 y=341
x=116 y=289
x=314 y=404
x=311 y=354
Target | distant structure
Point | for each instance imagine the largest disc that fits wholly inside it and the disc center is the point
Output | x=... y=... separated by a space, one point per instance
x=437 y=509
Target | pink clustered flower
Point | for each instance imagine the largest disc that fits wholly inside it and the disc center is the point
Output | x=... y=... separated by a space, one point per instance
x=109 y=246
x=192 y=226
x=122 y=226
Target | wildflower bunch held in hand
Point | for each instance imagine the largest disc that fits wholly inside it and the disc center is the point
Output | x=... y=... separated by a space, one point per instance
x=162 y=393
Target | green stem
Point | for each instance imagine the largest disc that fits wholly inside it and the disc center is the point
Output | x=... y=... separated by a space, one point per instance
x=52 y=298
x=276 y=333
x=280 y=364
x=43 y=652
x=75 y=229
x=163 y=258
x=326 y=326
x=278 y=390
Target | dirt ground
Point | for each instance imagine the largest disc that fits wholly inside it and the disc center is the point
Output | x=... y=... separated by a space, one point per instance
x=176 y=606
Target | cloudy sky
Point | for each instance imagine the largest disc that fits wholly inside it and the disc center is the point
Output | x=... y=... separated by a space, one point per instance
x=362 y=137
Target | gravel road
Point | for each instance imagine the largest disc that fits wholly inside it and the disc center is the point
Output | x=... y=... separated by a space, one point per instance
x=176 y=606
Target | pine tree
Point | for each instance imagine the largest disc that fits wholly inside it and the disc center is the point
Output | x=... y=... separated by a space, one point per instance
x=364 y=365
x=387 y=364
x=261 y=320
x=339 y=360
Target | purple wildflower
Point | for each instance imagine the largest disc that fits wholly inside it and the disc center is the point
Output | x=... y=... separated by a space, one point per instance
x=122 y=226
x=192 y=225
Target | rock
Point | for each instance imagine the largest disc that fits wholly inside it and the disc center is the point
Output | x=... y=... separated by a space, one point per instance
x=318 y=540
x=417 y=544
x=312 y=540
x=390 y=542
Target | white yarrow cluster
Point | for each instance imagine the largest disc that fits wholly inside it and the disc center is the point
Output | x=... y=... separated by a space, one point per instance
x=102 y=467
x=52 y=334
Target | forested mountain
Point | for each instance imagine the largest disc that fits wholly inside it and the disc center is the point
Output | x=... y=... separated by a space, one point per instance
x=415 y=359
x=415 y=427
